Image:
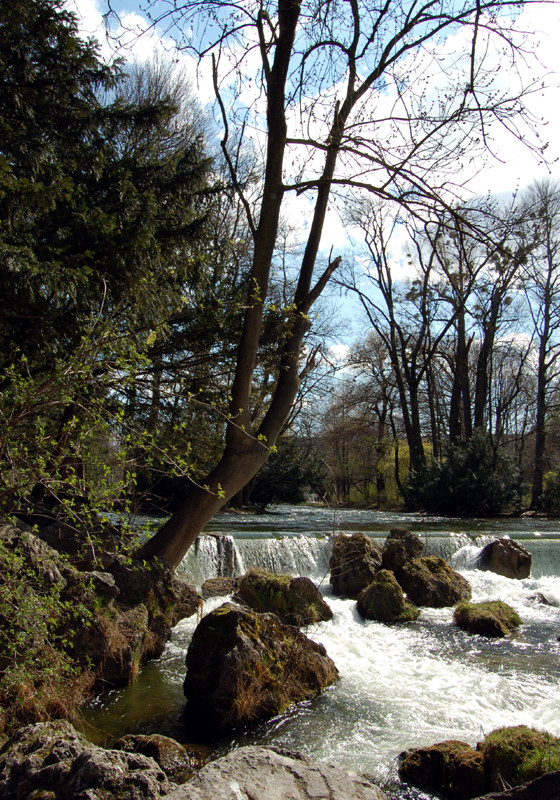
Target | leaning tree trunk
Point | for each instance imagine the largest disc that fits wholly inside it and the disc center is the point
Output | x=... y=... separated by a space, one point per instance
x=245 y=450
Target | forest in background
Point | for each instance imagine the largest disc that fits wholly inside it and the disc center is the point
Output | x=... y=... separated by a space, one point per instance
x=126 y=254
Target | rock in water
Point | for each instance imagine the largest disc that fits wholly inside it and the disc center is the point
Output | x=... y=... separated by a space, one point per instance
x=52 y=760
x=270 y=774
x=506 y=557
x=430 y=581
x=243 y=667
x=354 y=562
x=383 y=600
x=297 y=601
x=400 y=546
x=492 y=618
x=452 y=768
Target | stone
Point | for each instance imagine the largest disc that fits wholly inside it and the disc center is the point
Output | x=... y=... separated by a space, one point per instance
x=354 y=561
x=547 y=787
x=243 y=667
x=218 y=587
x=272 y=774
x=178 y=763
x=492 y=618
x=400 y=546
x=452 y=768
x=51 y=759
x=506 y=557
x=383 y=600
x=45 y=561
x=296 y=601
x=430 y=581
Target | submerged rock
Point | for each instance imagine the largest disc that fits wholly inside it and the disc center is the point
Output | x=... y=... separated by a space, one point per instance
x=494 y=618
x=400 y=546
x=430 y=581
x=383 y=600
x=296 y=601
x=450 y=767
x=271 y=774
x=354 y=562
x=506 y=557
x=52 y=760
x=243 y=667
x=178 y=762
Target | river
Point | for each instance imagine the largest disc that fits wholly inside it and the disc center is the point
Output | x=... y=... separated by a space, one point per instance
x=400 y=686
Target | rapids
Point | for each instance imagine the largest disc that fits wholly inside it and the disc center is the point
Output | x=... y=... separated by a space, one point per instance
x=400 y=686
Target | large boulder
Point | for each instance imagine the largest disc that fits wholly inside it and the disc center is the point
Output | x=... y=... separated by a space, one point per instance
x=51 y=760
x=271 y=774
x=400 y=546
x=383 y=600
x=507 y=558
x=243 y=667
x=452 y=768
x=297 y=601
x=354 y=561
x=492 y=618
x=430 y=581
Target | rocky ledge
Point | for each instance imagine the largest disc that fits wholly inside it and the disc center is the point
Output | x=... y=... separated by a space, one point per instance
x=51 y=761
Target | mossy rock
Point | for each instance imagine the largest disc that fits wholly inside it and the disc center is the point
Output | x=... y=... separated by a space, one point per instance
x=518 y=754
x=430 y=581
x=243 y=667
x=296 y=601
x=354 y=562
x=452 y=768
x=383 y=600
x=493 y=618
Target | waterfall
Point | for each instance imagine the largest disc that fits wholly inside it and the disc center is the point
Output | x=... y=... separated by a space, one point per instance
x=213 y=555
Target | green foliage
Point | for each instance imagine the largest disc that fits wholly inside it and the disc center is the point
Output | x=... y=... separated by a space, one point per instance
x=472 y=480
x=38 y=678
x=551 y=493
x=288 y=475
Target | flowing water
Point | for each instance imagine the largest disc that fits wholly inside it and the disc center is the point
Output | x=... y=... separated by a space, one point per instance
x=400 y=686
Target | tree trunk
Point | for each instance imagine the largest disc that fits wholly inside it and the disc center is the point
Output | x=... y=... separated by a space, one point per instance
x=540 y=424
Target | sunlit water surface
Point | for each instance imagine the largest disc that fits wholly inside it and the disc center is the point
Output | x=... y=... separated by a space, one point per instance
x=400 y=686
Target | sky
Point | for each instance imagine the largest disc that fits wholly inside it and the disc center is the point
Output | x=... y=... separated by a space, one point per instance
x=514 y=166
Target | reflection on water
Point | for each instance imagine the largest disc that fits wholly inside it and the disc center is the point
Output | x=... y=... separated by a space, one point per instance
x=400 y=686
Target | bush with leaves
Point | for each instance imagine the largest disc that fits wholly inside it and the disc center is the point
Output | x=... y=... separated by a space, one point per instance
x=39 y=616
x=474 y=479
x=551 y=493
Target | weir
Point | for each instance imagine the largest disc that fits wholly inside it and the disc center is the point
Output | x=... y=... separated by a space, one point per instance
x=400 y=686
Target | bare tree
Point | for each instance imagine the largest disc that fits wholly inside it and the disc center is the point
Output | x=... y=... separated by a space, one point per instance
x=341 y=96
x=540 y=235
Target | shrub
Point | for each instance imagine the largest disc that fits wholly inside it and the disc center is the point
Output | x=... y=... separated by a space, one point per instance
x=474 y=479
x=39 y=680
x=551 y=492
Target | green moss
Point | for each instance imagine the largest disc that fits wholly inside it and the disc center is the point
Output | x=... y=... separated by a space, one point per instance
x=492 y=618
x=383 y=600
x=519 y=754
